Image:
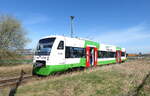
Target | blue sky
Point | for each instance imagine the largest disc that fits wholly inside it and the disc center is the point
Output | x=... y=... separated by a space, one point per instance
x=125 y=23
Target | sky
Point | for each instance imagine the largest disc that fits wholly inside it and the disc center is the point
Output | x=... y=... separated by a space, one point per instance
x=125 y=23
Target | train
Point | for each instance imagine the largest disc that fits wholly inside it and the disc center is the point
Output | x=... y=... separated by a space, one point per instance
x=59 y=53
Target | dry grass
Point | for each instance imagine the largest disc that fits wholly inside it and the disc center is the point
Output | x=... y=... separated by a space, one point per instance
x=14 y=71
x=114 y=80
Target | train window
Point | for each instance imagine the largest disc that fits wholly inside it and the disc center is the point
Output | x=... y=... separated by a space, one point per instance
x=61 y=45
x=105 y=54
x=74 y=52
x=123 y=54
x=102 y=54
x=99 y=54
x=112 y=54
x=47 y=40
x=67 y=52
x=47 y=46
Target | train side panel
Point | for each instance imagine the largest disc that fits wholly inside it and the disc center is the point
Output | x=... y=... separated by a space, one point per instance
x=60 y=58
x=106 y=48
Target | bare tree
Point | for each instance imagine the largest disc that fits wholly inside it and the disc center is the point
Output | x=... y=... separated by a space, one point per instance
x=12 y=35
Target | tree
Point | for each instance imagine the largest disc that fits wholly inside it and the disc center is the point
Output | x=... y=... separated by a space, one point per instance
x=12 y=35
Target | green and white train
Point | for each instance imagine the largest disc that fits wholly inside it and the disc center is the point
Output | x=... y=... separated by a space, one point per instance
x=60 y=53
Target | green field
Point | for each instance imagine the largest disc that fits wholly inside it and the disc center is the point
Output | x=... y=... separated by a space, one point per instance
x=114 y=80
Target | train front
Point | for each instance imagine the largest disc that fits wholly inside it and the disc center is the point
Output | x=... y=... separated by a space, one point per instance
x=42 y=56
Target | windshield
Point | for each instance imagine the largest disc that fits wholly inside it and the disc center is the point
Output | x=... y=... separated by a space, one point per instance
x=44 y=46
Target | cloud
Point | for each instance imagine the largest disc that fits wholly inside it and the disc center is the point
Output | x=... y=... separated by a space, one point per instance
x=127 y=35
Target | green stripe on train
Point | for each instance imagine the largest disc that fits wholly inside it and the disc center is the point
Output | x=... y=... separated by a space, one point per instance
x=118 y=48
x=106 y=62
x=87 y=42
x=50 y=69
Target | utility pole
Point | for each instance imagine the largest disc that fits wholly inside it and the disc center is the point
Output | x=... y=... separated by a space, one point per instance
x=71 y=17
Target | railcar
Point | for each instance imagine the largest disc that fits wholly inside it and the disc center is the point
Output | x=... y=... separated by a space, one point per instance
x=60 y=53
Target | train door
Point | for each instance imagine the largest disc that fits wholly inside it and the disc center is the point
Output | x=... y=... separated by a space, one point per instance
x=91 y=56
x=95 y=56
x=87 y=56
x=118 y=56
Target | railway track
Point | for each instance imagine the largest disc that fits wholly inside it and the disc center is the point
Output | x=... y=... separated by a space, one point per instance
x=13 y=81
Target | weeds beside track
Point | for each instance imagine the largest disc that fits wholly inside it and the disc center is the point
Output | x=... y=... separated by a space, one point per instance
x=13 y=81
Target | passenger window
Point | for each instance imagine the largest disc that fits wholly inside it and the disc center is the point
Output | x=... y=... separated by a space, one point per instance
x=74 y=52
x=61 y=45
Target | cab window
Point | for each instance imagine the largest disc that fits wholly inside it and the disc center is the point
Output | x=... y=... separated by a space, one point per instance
x=61 y=45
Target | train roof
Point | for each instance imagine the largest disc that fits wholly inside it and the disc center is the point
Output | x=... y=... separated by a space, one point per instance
x=59 y=36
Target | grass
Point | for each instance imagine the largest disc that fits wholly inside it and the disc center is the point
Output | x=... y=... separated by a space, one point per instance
x=115 y=80
x=14 y=71
x=15 y=60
